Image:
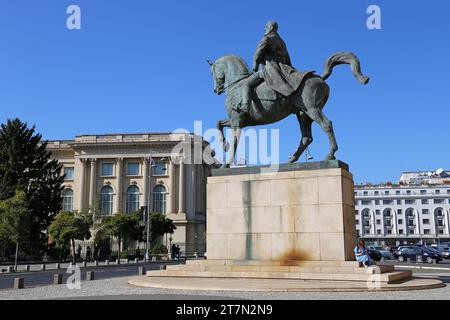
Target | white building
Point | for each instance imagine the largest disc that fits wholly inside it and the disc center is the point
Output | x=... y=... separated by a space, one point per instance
x=416 y=210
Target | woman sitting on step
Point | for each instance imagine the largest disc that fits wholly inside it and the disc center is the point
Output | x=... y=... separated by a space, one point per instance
x=362 y=255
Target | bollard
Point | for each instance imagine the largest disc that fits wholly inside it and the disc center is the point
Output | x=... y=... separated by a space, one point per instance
x=434 y=261
x=163 y=267
x=90 y=275
x=95 y=263
x=57 y=266
x=42 y=267
x=106 y=262
x=19 y=283
x=57 y=278
x=136 y=260
x=141 y=271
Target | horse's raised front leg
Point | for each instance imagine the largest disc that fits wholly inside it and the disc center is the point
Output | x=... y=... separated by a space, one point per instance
x=221 y=124
x=305 y=126
x=234 y=143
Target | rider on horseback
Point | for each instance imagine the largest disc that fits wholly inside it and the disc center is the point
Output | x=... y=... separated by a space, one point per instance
x=277 y=70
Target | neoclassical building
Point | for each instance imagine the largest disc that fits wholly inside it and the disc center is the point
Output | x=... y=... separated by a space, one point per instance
x=417 y=209
x=125 y=172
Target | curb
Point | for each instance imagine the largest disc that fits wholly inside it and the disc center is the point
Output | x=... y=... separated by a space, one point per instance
x=423 y=268
x=87 y=267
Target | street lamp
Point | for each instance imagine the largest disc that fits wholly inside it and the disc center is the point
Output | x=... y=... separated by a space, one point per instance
x=147 y=247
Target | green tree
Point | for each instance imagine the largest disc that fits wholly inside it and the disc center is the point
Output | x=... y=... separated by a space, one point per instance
x=15 y=220
x=26 y=164
x=68 y=227
x=159 y=226
x=122 y=226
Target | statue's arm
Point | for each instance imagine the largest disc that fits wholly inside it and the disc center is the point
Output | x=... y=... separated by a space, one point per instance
x=259 y=53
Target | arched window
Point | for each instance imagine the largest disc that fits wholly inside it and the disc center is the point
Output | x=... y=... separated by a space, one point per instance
x=159 y=199
x=67 y=196
x=132 y=199
x=106 y=200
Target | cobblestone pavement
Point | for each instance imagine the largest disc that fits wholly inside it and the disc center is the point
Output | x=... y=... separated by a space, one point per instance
x=118 y=288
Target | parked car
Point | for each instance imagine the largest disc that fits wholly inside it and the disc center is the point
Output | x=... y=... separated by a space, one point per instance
x=384 y=252
x=443 y=249
x=374 y=254
x=443 y=254
x=412 y=252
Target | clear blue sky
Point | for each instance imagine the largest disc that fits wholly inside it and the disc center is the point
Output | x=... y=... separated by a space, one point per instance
x=139 y=65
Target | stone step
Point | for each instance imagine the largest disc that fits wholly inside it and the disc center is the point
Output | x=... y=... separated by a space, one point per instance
x=273 y=263
x=276 y=268
x=388 y=277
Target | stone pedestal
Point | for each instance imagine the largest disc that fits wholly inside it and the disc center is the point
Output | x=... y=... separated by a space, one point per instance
x=302 y=212
x=292 y=228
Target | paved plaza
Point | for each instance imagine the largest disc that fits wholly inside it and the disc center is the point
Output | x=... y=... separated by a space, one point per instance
x=119 y=288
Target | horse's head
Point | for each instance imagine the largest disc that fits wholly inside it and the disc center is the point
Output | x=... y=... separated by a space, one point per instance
x=227 y=70
x=218 y=76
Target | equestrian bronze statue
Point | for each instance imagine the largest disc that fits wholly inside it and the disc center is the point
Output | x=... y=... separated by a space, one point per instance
x=275 y=91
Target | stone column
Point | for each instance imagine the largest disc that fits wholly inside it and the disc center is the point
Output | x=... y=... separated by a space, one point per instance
x=82 y=183
x=181 y=189
x=361 y=223
x=394 y=222
x=92 y=184
x=194 y=191
x=373 y=226
x=447 y=221
x=417 y=219
x=119 y=175
x=172 y=187
x=145 y=175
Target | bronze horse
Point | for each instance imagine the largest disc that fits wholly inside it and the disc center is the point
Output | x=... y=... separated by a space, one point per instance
x=306 y=103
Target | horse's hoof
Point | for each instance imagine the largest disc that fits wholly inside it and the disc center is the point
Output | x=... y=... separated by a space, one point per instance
x=292 y=159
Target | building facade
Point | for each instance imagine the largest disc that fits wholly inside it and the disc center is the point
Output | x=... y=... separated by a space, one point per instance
x=416 y=210
x=124 y=172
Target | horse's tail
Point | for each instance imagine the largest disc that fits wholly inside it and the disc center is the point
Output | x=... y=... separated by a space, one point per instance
x=344 y=58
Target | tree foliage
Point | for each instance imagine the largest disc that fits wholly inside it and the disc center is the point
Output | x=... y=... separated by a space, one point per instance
x=70 y=226
x=15 y=218
x=159 y=226
x=123 y=226
x=26 y=164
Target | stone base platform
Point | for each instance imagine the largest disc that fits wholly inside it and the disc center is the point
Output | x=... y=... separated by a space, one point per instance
x=299 y=270
x=261 y=275
x=278 y=285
